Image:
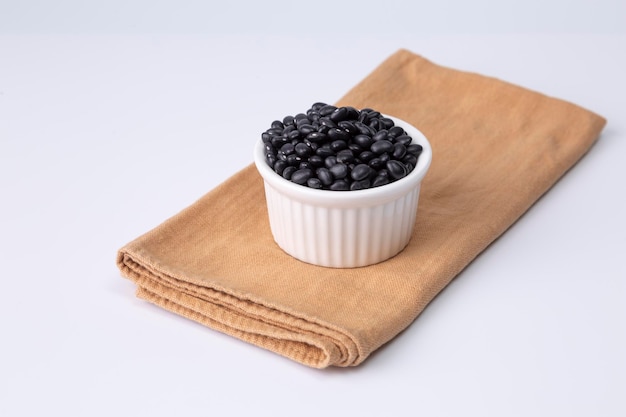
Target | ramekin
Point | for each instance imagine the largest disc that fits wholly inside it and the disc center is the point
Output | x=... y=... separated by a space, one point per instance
x=344 y=229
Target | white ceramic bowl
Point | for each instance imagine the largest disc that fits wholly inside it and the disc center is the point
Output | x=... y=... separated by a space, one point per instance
x=344 y=229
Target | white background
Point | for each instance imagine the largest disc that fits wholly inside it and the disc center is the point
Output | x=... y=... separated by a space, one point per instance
x=116 y=115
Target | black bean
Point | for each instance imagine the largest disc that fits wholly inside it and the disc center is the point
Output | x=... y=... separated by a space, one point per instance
x=316 y=160
x=339 y=185
x=380 y=135
x=316 y=137
x=386 y=122
x=314 y=183
x=279 y=166
x=294 y=135
x=302 y=150
x=363 y=141
x=380 y=180
x=301 y=116
x=363 y=128
x=288 y=120
x=349 y=127
x=360 y=185
x=356 y=149
x=410 y=160
x=396 y=169
x=339 y=114
x=306 y=128
x=399 y=150
x=373 y=114
x=371 y=130
x=288 y=129
x=353 y=113
x=287 y=149
x=275 y=131
x=326 y=110
x=366 y=156
x=330 y=161
x=360 y=172
x=271 y=159
x=293 y=159
x=278 y=141
x=324 y=176
x=278 y=124
x=338 y=145
x=414 y=149
x=324 y=151
x=403 y=139
x=325 y=121
x=345 y=156
x=338 y=134
x=306 y=124
x=381 y=147
x=288 y=172
x=301 y=176
x=323 y=129
x=396 y=131
x=339 y=171
x=266 y=137
x=376 y=163
x=318 y=105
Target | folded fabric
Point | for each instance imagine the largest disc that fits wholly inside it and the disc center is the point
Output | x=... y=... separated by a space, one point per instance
x=496 y=149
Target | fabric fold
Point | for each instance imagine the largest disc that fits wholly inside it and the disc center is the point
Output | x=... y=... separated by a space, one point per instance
x=497 y=148
x=302 y=340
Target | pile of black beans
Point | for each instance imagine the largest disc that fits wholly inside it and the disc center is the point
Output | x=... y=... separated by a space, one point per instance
x=339 y=148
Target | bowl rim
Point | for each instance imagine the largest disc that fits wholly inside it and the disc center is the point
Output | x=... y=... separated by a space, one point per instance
x=368 y=196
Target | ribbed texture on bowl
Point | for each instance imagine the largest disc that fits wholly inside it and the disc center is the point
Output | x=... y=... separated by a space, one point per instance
x=341 y=237
x=344 y=229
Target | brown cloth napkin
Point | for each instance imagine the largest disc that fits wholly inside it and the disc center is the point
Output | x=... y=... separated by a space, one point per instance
x=496 y=149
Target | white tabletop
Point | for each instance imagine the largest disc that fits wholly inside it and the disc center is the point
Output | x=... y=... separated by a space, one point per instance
x=114 y=117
